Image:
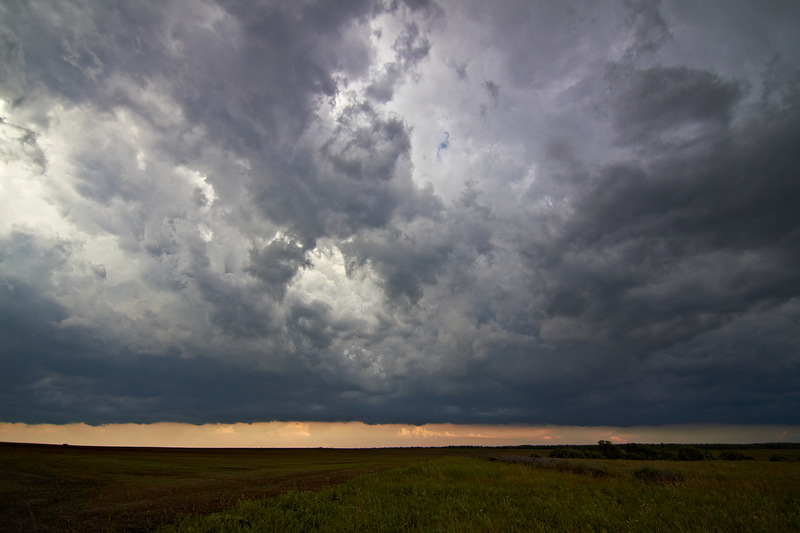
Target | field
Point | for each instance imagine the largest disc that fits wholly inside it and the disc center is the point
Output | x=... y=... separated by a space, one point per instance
x=55 y=488
x=74 y=488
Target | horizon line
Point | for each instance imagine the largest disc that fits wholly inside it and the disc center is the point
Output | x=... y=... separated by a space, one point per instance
x=359 y=435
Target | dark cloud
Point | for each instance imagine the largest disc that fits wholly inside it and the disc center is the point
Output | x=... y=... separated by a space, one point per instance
x=356 y=180
x=664 y=253
x=652 y=260
x=492 y=88
x=365 y=146
x=650 y=30
x=403 y=264
x=420 y=4
x=277 y=263
x=234 y=211
x=674 y=105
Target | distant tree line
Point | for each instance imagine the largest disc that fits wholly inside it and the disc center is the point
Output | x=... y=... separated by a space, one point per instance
x=647 y=452
x=605 y=449
x=703 y=446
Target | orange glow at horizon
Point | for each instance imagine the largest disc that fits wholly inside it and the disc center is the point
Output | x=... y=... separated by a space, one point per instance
x=360 y=435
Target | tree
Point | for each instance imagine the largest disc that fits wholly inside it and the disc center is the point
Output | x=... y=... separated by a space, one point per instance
x=690 y=453
x=608 y=450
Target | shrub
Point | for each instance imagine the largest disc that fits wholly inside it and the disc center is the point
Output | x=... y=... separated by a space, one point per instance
x=645 y=452
x=659 y=476
x=733 y=455
x=566 y=452
x=561 y=465
x=594 y=470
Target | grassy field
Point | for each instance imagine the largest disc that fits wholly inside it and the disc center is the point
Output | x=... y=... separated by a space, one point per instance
x=472 y=494
x=55 y=488
x=73 y=488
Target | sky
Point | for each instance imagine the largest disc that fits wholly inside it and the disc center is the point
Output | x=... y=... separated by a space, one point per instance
x=400 y=214
x=360 y=435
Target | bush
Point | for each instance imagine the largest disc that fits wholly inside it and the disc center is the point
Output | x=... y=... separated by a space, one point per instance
x=594 y=470
x=562 y=465
x=645 y=452
x=659 y=476
x=566 y=452
x=732 y=455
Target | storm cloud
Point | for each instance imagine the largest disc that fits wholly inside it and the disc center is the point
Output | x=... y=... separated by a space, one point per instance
x=400 y=212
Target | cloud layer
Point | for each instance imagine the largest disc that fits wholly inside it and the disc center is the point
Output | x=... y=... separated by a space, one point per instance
x=400 y=212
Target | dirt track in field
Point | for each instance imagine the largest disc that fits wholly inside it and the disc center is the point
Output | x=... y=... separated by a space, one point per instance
x=145 y=509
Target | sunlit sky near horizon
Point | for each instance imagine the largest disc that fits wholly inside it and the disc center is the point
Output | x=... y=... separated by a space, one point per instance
x=359 y=435
x=387 y=214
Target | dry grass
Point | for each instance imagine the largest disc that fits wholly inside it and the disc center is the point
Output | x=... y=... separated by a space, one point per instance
x=65 y=488
x=73 y=488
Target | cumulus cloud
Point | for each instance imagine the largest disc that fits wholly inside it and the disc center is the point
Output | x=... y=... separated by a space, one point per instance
x=220 y=212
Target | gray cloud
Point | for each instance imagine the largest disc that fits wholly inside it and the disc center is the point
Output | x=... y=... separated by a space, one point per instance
x=356 y=179
x=492 y=88
x=227 y=211
x=277 y=263
x=410 y=47
x=674 y=105
x=659 y=255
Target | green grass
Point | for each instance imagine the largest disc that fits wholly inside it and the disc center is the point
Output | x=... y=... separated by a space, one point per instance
x=72 y=488
x=472 y=494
